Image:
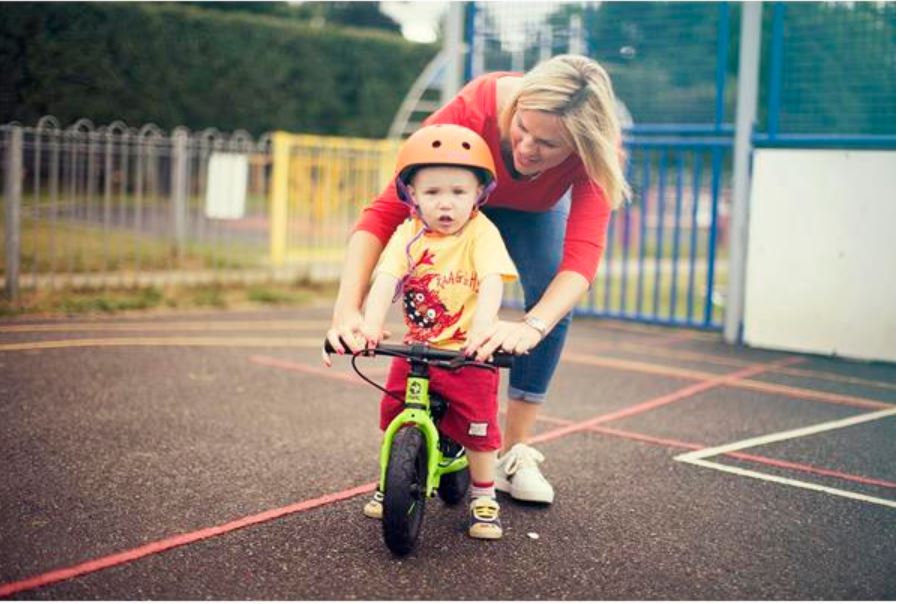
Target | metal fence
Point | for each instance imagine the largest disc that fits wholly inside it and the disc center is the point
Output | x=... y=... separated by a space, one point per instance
x=119 y=207
x=91 y=206
x=665 y=259
x=319 y=185
x=105 y=206
x=113 y=206
x=827 y=79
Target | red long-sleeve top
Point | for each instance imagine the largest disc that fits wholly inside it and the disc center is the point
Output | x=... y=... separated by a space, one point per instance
x=475 y=108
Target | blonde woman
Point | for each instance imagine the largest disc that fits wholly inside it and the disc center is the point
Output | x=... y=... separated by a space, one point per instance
x=555 y=139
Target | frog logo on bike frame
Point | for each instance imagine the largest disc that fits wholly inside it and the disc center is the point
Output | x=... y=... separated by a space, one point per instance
x=416 y=392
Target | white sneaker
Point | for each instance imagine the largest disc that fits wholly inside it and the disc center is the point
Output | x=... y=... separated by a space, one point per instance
x=518 y=475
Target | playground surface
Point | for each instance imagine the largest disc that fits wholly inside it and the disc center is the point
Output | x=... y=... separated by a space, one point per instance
x=190 y=456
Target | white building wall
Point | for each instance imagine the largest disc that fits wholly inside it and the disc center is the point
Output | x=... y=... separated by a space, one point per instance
x=821 y=253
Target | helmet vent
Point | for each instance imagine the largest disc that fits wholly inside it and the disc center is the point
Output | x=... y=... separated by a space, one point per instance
x=436 y=144
x=467 y=146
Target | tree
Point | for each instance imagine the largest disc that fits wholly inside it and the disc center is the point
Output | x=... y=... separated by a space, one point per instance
x=364 y=15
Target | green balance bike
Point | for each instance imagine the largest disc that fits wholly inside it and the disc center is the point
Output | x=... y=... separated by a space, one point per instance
x=416 y=461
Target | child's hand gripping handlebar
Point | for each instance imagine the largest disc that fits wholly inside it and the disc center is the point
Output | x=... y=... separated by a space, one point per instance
x=422 y=352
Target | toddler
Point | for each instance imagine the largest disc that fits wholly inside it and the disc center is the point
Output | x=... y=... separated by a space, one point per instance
x=447 y=263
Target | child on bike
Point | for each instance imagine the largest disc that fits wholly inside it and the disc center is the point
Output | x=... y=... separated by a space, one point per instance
x=448 y=263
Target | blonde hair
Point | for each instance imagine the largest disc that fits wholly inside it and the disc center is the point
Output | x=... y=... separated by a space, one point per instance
x=578 y=90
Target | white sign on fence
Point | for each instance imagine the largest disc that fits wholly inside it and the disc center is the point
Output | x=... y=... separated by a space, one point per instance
x=226 y=185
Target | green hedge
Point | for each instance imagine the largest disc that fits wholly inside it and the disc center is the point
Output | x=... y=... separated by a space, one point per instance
x=176 y=65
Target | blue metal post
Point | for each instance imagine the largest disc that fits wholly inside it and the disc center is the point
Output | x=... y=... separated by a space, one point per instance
x=675 y=256
x=693 y=235
x=609 y=258
x=625 y=244
x=776 y=70
x=643 y=209
x=717 y=168
x=659 y=231
x=723 y=42
x=470 y=12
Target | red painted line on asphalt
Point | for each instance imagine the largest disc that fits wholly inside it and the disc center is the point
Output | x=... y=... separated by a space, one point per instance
x=654 y=440
x=333 y=374
x=156 y=547
x=660 y=401
x=813 y=395
x=179 y=540
x=760 y=459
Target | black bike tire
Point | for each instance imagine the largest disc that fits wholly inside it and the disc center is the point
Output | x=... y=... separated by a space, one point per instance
x=454 y=486
x=404 y=491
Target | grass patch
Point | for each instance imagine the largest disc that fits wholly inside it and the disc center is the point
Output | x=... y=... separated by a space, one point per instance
x=93 y=302
x=76 y=247
x=266 y=294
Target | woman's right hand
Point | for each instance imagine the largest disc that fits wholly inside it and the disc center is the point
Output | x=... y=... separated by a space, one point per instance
x=362 y=253
x=346 y=327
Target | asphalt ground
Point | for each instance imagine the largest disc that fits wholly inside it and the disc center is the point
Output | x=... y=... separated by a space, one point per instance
x=203 y=456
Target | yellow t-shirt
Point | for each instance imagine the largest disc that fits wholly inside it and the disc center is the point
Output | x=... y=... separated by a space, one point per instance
x=440 y=295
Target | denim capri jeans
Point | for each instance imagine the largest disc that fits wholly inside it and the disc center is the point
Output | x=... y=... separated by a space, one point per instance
x=535 y=241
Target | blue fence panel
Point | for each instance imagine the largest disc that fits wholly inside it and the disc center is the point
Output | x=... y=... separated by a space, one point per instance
x=827 y=80
x=665 y=255
x=661 y=262
x=828 y=75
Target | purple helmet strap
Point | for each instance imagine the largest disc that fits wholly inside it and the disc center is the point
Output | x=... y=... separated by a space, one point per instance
x=487 y=190
x=406 y=197
x=400 y=287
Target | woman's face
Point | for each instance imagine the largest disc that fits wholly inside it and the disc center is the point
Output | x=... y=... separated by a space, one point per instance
x=536 y=141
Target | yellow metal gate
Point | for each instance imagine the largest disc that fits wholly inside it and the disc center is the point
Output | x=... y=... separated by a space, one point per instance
x=319 y=184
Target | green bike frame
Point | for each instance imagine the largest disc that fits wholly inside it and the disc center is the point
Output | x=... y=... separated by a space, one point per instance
x=417 y=413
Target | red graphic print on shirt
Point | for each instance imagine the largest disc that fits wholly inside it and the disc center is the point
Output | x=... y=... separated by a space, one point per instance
x=425 y=314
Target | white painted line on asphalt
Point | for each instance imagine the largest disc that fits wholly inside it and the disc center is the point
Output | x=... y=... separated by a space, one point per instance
x=788 y=481
x=786 y=435
x=699 y=458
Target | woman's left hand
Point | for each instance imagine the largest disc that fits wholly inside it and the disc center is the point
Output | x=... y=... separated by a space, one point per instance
x=515 y=337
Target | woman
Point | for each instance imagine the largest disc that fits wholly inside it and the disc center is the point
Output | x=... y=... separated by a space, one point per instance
x=555 y=139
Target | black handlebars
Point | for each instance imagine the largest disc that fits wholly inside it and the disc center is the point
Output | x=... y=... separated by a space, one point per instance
x=426 y=353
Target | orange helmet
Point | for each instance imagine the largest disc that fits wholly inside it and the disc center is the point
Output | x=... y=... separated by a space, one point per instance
x=444 y=145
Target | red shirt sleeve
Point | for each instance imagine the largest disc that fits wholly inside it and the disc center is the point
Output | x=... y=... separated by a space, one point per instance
x=587 y=226
x=383 y=215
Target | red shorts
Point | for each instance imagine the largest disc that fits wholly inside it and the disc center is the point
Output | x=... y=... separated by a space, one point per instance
x=472 y=394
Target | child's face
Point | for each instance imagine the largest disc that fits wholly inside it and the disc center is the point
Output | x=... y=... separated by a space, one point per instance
x=445 y=196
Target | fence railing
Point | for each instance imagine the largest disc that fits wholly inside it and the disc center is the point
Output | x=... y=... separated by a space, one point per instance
x=119 y=206
x=319 y=186
x=665 y=256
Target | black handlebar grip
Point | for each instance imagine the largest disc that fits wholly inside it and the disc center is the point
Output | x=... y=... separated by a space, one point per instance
x=503 y=359
x=500 y=359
